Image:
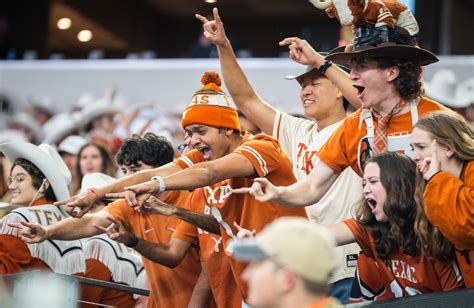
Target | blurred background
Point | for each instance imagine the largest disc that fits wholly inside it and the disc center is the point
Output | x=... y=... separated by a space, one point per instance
x=146 y=56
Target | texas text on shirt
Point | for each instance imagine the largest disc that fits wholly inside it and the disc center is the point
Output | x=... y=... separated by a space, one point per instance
x=401 y=274
x=221 y=280
x=63 y=257
x=164 y=281
x=301 y=140
x=347 y=146
x=449 y=205
x=269 y=161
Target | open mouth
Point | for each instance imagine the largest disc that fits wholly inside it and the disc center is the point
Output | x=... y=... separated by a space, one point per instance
x=307 y=102
x=360 y=90
x=372 y=203
x=206 y=152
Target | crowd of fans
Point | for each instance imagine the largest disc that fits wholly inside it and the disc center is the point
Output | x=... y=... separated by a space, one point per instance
x=367 y=197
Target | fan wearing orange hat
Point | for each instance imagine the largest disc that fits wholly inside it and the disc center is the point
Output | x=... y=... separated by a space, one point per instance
x=223 y=158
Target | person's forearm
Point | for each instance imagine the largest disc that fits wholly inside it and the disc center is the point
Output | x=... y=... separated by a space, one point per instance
x=137 y=178
x=255 y=109
x=235 y=80
x=202 y=294
x=73 y=228
x=159 y=253
x=205 y=222
x=193 y=177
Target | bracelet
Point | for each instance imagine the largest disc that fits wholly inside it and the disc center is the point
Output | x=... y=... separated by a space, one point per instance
x=324 y=67
x=133 y=242
x=94 y=191
x=160 y=180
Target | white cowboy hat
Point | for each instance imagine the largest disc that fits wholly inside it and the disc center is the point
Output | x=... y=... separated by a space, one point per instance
x=95 y=180
x=59 y=126
x=72 y=144
x=94 y=110
x=443 y=88
x=27 y=121
x=9 y=135
x=46 y=159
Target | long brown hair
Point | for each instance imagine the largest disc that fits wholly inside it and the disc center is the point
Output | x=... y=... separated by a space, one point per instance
x=450 y=130
x=397 y=234
x=108 y=165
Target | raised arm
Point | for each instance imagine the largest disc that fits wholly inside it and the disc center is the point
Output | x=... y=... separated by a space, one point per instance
x=300 y=194
x=303 y=53
x=249 y=103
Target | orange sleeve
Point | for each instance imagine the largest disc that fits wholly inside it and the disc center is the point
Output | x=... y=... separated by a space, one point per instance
x=449 y=279
x=14 y=254
x=449 y=205
x=189 y=159
x=334 y=151
x=184 y=230
x=95 y=270
x=361 y=235
x=263 y=154
x=120 y=210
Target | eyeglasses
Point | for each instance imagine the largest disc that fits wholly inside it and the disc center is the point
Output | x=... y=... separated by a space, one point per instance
x=16 y=179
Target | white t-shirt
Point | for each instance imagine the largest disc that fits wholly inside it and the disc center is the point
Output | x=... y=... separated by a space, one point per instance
x=301 y=140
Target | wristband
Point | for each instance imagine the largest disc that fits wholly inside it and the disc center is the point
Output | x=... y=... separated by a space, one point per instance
x=133 y=242
x=94 y=191
x=324 y=67
x=159 y=179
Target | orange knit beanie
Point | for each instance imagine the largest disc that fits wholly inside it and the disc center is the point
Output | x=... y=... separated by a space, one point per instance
x=211 y=106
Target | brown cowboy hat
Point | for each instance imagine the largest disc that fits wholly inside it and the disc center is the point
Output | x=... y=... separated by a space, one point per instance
x=387 y=50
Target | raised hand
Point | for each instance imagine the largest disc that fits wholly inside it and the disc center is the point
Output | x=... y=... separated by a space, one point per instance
x=302 y=52
x=30 y=232
x=244 y=233
x=80 y=204
x=430 y=165
x=261 y=189
x=136 y=195
x=117 y=231
x=213 y=29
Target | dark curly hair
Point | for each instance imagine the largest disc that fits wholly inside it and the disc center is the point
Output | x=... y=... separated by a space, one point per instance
x=408 y=82
x=37 y=177
x=151 y=149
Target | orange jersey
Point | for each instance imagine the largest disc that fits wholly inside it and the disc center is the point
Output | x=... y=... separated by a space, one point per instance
x=399 y=275
x=449 y=205
x=347 y=145
x=269 y=161
x=169 y=287
x=221 y=280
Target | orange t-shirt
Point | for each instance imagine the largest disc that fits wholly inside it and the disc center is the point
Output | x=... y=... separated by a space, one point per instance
x=269 y=161
x=169 y=287
x=399 y=275
x=342 y=148
x=221 y=280
x=449 y=205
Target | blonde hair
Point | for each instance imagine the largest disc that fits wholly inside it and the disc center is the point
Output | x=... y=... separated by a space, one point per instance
x=450 y=130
